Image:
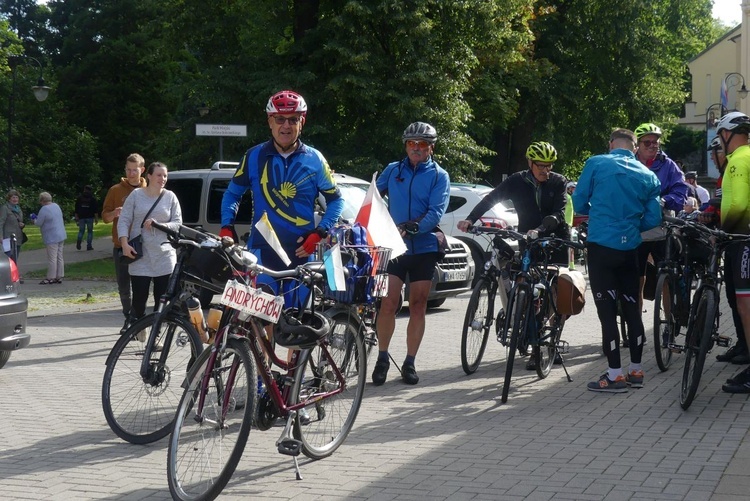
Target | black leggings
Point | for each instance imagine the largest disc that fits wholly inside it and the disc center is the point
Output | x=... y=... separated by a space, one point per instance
x=140 y=292
x=612 y=274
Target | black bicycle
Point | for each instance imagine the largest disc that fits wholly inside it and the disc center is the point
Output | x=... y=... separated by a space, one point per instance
x=480 y=313
x=687 y=253
x=144 y=369
x=703 y=322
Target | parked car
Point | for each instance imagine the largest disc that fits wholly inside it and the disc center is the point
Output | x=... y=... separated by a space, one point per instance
x=463 y=198
x=13 y=309
x=453 y=274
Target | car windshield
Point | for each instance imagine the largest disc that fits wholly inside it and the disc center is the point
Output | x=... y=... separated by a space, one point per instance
x=500 y=206
x=353 y=195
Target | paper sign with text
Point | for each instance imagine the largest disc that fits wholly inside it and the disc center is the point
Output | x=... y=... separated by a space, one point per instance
x=252 y=301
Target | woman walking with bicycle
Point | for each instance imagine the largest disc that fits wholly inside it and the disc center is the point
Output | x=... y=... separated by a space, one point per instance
x=621 y=197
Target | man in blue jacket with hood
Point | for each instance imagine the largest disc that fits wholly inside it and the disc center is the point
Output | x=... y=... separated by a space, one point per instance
x=418 y=192
x=622 y=198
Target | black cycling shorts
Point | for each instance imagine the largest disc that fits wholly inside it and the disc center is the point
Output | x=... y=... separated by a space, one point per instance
x=417 y=266
x=738 y=260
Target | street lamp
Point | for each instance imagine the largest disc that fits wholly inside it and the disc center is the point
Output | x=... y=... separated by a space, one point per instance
x=41 y=91
x=737 y=78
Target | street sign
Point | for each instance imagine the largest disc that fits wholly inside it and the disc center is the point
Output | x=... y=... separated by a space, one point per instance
x=221 y=130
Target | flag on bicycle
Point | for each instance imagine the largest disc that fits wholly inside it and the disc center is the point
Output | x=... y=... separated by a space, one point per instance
x=264 y=227
x=334 y=268
x=381 y=230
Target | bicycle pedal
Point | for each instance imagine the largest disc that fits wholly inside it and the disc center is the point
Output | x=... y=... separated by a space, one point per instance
x=563 y=347
x=290 y=447
x=675 y=348
x=722 y=341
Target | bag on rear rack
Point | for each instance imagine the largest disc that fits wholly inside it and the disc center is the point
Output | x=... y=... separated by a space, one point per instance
x=571 y=292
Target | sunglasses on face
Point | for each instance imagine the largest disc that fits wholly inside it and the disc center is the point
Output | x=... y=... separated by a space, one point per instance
x=280 y=120
x=648 y=143
x=417 y=144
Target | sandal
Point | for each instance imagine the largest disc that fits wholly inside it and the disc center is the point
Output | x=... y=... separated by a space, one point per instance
x=46 y=281
x=57 y=281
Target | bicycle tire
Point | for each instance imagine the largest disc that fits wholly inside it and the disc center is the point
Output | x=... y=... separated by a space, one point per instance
x=332 y=418
x=545 y=351
x=138 y=411
x=517 y=314
x=666 y=325
x=476 y=329
x=204 y=450
x=697 y=344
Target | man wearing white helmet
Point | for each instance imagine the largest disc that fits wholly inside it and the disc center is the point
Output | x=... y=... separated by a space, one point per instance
x=733 y=130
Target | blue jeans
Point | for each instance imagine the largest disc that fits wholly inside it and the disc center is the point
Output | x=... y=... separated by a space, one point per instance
x=86 y=223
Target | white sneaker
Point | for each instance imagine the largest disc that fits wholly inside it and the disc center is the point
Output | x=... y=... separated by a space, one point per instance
x=142 y=336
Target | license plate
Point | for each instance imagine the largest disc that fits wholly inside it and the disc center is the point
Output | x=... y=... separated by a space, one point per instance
x=454 y=276
x=252 y=301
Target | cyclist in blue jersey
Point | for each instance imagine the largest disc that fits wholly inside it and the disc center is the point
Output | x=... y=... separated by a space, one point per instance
x=621 y=197
x=418 y=192
x=285 y=177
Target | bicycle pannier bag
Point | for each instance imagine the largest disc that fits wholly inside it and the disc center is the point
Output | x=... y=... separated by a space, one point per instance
x=571 y=292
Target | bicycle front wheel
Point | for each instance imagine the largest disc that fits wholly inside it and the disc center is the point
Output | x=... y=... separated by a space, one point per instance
x=697 y=344
x=141 y=410
x=207 y=443
x=666 y=325
x=329 y=420
x=518 y=318
x=545 y=351
x=477 y=321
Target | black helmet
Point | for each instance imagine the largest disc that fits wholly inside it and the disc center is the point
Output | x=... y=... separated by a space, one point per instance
x=301 y=333
x=420 y=131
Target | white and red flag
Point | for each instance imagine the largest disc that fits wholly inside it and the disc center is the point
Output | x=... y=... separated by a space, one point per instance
x=381 y=230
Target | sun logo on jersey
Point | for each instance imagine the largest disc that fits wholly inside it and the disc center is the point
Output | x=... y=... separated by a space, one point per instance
x=287 y=190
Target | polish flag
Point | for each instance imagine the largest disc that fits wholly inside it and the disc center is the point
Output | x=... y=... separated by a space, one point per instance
x=381 y=230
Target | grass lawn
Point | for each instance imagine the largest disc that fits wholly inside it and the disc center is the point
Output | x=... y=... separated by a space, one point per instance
x=99 y=269
x=35 y=237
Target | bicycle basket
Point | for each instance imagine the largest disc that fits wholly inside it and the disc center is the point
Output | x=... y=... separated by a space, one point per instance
x=210 y=264
x=367 y=278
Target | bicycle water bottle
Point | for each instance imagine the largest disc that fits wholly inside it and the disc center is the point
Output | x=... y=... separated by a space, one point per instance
x=196 y=317
x=212 y=322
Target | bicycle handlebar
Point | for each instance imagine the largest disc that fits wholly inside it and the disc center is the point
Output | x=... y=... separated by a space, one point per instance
x=203 y=240
x=529 y=239
x=705 y=230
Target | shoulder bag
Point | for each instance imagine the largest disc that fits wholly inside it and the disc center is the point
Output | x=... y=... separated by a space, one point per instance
x=137 y=242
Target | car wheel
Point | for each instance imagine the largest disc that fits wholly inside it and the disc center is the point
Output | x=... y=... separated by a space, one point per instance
x=435 y=303
x=4 y=356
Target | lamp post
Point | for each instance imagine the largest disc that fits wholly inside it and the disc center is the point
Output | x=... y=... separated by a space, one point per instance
x=736 y=78
x=41 y=91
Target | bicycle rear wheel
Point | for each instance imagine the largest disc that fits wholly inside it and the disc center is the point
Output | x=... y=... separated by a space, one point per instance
x=331 y=418
x=477 y=321
x=697 y=344
x=141 y=410
x=206 y=447
x=518 y=317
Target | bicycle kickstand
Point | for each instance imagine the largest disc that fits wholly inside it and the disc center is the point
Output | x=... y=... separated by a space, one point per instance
x=570 y=379
x=290 y=446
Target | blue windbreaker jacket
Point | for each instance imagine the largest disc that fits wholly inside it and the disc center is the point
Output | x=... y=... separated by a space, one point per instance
x=416 y=194
x=621 y=197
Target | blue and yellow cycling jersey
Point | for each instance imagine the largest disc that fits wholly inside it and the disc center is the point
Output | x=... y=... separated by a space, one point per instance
x=735 y=192
x=286 y=188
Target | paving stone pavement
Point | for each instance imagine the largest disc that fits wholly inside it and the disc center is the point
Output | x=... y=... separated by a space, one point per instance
x=449 y=437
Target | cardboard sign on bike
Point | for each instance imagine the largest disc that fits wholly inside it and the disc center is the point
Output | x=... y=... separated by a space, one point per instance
x=252 y=301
